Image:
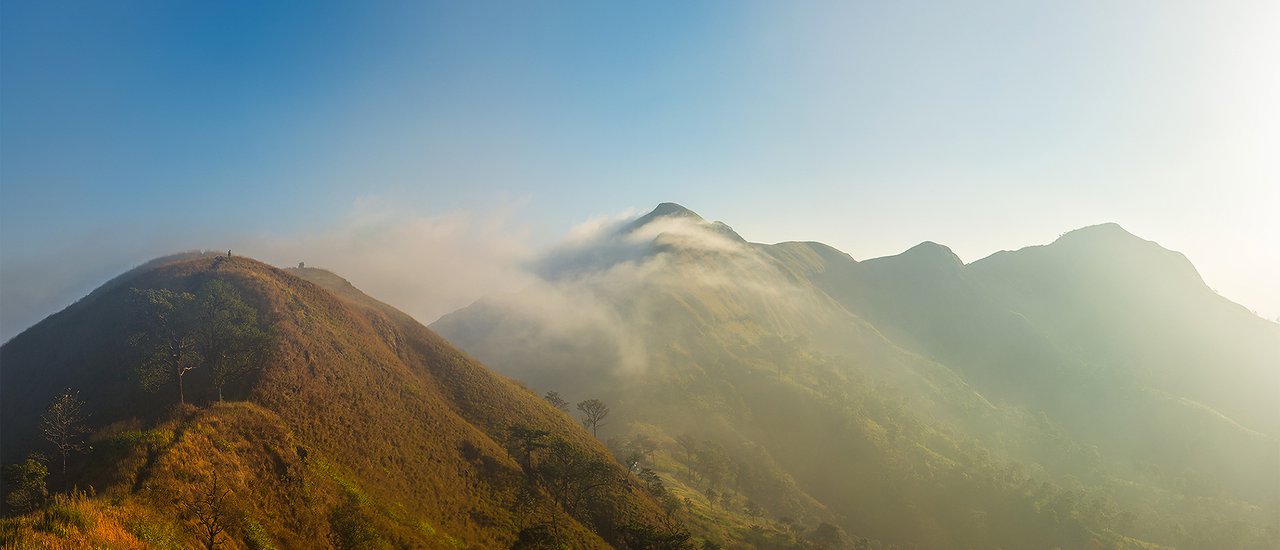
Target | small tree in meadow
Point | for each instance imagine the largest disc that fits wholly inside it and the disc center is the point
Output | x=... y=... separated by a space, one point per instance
x=593 y=413
x=62 y=425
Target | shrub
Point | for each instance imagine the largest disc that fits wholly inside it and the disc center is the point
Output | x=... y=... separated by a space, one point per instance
x=163 y=536
x=352 y=527
x=27 y=490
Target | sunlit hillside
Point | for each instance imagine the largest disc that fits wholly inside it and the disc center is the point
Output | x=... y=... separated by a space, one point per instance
x=1089 y=393
x=990 y=275
x=358 y=428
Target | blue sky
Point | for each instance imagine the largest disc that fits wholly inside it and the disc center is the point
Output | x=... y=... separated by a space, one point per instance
x=130 y=129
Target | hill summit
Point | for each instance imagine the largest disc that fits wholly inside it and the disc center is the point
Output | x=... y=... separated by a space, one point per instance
x=667 y=210
x=359 y=428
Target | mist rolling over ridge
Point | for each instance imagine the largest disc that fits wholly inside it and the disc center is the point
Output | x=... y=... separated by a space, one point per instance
x=1099 y=364
x=412 y=275
x=1090 y=392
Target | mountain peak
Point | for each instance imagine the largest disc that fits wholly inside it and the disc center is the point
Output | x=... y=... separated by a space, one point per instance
x=1100 y=232
x=1108 y=251
x=933 y=253
x=930 y=247
x=673 y=211
x=667 y=210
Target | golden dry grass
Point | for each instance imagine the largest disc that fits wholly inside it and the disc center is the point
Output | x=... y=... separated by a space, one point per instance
x=404 y=434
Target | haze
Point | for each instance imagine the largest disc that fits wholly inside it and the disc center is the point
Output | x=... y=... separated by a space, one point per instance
x=680 y=275
x=430 y=151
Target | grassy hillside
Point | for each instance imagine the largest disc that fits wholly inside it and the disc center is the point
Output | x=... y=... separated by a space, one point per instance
x=910 y=400
x=362 y=428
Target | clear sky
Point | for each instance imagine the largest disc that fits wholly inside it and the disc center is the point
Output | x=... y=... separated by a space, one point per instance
x=472 y=133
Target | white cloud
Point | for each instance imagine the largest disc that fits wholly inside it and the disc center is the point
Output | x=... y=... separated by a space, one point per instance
x=424 y=265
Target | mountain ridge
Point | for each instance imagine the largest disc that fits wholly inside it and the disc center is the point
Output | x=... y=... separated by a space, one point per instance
x=1039 y=357
x=380 y=404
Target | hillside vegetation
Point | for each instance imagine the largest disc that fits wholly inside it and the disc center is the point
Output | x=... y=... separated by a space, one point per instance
x=359 y=428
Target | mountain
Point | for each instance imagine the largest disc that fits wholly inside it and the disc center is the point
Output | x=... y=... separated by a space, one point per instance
x=1088 y=393
x=362 y=428
x=1126 y=303
x=1110 y=334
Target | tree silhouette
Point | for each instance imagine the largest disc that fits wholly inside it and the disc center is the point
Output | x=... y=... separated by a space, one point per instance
x=652 y=482
x=571 y=476
x=713 y=463
x=556 y=401
x=211 y=511
x=690 y=447
x=63 y=425
x=643 y=446
x=526 y=442
x=593 y=413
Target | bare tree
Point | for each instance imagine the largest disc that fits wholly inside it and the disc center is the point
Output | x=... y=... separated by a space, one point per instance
x=593 y=413
x=556 y=401
x=211 y=511
x=63 y=425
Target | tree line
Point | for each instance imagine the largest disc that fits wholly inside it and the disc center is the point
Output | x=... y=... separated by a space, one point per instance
x=581 y=485
x=212 y=329
x=593 y=411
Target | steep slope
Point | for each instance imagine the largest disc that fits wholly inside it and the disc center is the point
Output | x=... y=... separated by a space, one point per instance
x=909 y=399
x=396 y=437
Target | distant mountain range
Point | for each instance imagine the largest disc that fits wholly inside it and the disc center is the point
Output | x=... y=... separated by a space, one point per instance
x=1092 y=392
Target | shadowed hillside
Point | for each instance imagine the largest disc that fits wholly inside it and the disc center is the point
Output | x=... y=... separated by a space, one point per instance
x=361 y=428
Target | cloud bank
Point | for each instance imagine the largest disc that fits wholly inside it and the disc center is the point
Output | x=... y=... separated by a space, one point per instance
x=426 y=266
x=579 y=287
